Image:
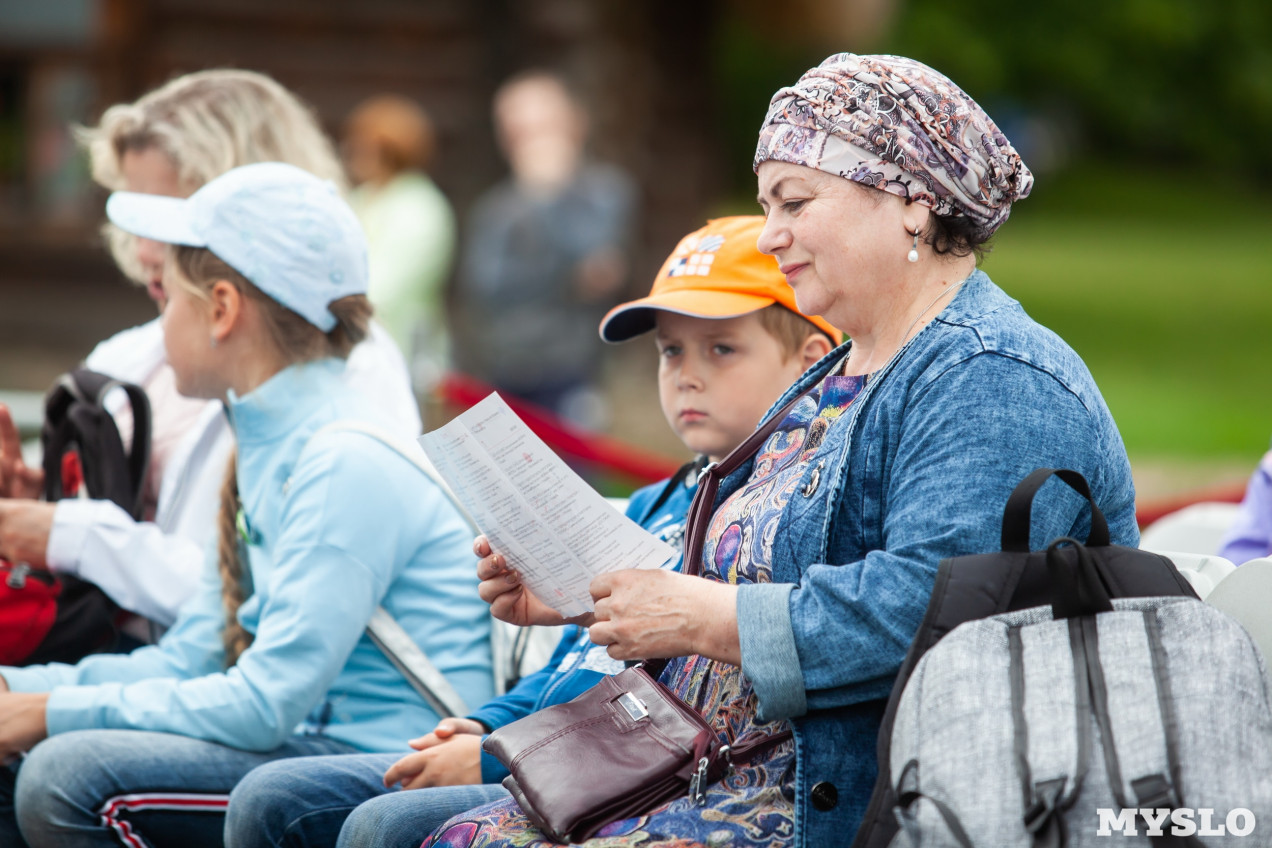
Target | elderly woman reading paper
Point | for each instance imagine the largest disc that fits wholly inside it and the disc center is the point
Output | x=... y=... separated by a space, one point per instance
x=881 y=182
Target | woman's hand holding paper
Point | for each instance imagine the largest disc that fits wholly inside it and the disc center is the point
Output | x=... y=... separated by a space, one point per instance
x=509 y=600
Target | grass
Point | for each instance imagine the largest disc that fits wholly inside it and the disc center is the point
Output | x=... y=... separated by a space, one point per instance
x=1163 y=283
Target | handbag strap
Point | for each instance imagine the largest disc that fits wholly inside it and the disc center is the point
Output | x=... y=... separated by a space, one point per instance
x=703 y=505
x=700 y=511
x=744 y=752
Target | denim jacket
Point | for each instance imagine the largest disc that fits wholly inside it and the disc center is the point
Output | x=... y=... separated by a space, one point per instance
x=917 y=470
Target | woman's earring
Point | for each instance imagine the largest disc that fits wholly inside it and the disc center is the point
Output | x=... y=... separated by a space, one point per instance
x=913 y=255
x=213 y=341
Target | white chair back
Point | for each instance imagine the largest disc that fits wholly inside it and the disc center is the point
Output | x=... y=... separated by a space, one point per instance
x=1203 y=571
x=1246 y=595
x=1198 y=528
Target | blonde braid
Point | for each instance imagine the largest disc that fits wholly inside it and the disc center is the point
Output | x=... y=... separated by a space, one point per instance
x=235 y=637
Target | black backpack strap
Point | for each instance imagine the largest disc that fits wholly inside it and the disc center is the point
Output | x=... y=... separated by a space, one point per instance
x=56 y=435
x=75 y=414
x=1016 y=515
x=1076 y=590
x=139 y=455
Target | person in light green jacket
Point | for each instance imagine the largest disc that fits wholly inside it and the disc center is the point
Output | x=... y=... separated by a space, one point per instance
x=410 y=228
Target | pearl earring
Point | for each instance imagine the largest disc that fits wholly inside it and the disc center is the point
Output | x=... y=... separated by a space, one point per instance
x=913 y=255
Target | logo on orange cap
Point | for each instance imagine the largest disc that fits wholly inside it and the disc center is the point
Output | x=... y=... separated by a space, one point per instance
x=715 y=272
x=698 y=262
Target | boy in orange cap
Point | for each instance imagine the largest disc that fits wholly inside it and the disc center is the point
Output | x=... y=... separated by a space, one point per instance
x=730 y=337
x=730 y=341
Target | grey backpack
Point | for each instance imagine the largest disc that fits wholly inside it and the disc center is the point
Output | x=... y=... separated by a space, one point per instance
x=1089 y=722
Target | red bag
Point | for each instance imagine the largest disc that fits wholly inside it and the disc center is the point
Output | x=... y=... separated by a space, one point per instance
x=28 y=608
x=44 y=618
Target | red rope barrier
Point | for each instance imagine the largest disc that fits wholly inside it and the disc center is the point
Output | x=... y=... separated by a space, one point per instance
x=1146 y=514
x=612 y=454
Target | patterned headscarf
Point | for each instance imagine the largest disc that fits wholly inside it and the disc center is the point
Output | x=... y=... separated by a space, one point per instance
x=901 y=127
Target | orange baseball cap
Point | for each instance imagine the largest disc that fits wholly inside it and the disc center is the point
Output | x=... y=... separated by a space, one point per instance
x=716 y=272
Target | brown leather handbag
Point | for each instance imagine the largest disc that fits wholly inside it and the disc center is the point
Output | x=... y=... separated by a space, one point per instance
x=627 y=745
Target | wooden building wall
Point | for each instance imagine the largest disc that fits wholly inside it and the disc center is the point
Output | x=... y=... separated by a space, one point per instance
x=643 y=68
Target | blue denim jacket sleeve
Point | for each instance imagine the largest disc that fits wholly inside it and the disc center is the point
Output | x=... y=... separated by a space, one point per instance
x=967 y=436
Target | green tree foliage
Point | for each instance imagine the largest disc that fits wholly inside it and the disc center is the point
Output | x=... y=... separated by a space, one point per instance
x=1184 y=81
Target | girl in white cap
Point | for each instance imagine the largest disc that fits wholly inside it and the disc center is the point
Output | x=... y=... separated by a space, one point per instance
x=173 y=140
x=319 y=526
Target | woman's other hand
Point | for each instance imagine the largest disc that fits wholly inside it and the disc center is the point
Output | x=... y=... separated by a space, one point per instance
x=449 y=756
x=652 y=613
x=509 y=600
x=16 y=479
x=22 y=722
x=24 y=531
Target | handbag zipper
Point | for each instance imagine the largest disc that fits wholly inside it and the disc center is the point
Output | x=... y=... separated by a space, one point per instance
x=18 y=576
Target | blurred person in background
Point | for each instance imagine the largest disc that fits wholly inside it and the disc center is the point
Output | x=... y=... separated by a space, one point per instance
x=389 y=144
x=545 y=254
x=170 y=142
x=1250 y=536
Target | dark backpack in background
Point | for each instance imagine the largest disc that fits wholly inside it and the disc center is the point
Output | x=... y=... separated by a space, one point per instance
x=48 y=618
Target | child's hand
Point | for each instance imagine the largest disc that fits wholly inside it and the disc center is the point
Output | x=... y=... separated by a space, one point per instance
x=509 y=600
x=23 y=723
x=446 y=728
x=454 y=760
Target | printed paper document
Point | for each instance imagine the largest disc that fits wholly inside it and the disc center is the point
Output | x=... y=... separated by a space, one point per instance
x=549 y=524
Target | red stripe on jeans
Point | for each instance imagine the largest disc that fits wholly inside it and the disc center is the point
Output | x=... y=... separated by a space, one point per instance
x=113 y=808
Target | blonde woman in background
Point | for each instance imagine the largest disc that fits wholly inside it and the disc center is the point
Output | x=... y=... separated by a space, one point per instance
x=171 y=142
x=389 y=145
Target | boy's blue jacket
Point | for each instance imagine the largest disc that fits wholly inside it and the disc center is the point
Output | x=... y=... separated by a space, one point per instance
x=577 y=664
x=337 y=524
x=918 y=469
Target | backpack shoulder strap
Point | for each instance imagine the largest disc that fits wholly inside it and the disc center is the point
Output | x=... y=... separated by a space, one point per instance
x=409 y=659
x=56 y=434
x=1049 y=692
x=384 y=630
x=411 y=453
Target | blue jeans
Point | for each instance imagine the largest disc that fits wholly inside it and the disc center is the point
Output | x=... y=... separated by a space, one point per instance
x=340 y=801
x=102 y=787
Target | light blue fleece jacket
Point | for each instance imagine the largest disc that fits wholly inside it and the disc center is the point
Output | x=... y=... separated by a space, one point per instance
x=338 y=524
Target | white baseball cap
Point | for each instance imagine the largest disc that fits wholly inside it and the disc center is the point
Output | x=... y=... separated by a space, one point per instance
x=286 y=230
